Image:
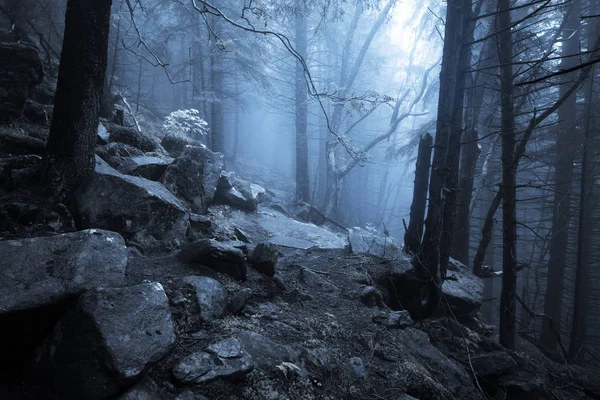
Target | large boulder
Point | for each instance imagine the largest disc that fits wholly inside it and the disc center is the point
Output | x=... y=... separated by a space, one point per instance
x=463 y=291
x=141 y=210
x=41 y=271
x=40 y=277
x=222 y=257
x=238 y=193
x=20 y=69
x=194 y=175
x=107 y=342
x=264 y=258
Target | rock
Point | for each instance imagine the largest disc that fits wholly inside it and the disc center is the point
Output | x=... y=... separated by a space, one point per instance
x=406 y=397
x=464 y=293
x=103 y=135
x=20 y=69
x=194 y=175
x=12 y=142
x=188 y=395
x=107 y=342
x=268 y=311
x=216 y=255
x=145 y=390
x=176 y=144
x=211 y=296
x=399 y=319
x=239 y=300
x=152 y=168
x=318 y=357
x=241 y=235
x=523 y=386
x=225 y=359
x=38 y=113
x=264 y=258
x=357 y=366
x=39 y=277
x=238 y=193
x=314 y=281
x=131 y=137
x=369 y=241
x=493 y=364
x=42 y=271
x=143 y=211
x=371 y=297
x=265 y=352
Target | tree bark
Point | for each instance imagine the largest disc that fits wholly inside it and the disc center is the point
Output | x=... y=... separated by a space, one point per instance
x=508 y=296
x=562 y=177
x=69 y=160
x=414 y=232
x=581 y=299
x=302 y=177
x=428 y=259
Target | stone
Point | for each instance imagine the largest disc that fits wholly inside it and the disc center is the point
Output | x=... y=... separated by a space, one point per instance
x=38 y=113
x=143 y=211
x=16 y=143
x=265 y=352
x=464 y=293
x=238 y=193
x=20 y=69
x=493 y=364
x=40 y=277
x=523 y=386
x=371 y=296
x=149 y=167
x=193 y=176
x=239 y=300
x=369 y=241
x=211 y=296
x=107 y=342
x=264 y=258
x=357 y=366
x=399 y=320
x=216 y=255
x=145 y=390
x=131 y=137
x=41 y=271
x=318 y=357
x=226 y=359
x=176 y=144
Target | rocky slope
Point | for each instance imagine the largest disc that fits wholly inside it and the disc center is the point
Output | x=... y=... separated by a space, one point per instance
x=167 y=277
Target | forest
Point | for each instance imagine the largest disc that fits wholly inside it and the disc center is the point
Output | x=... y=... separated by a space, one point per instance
x=429 y=164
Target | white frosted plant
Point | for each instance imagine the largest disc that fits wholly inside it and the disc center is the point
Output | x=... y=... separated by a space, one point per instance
x=185 y=123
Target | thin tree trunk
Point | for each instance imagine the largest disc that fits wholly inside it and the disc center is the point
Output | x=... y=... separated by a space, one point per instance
x=508 y=296
x=562 y=194
x=584 y=233
x=414 y=232
x=69 y=160
x=302 y=177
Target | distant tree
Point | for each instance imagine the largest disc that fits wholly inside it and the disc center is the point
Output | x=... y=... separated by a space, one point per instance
x=302 y=180
x=69 y=159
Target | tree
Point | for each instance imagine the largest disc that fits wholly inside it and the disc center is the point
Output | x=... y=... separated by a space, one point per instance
x=302 y=180
x=508 y=297
x=451 y=91
x=69 y=160
x=562 y=180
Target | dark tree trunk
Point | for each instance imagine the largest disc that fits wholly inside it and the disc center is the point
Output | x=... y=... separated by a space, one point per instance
x=302 y=177
x=106 y=106
x=69 y=159
x=216 y=83
x=462 y=228
x=508 y=296
x=584 y=233
x=414 y=232
x=428 y=260
x=562 y=178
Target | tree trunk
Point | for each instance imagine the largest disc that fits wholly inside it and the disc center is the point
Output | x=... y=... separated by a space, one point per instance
x=302 y=179
x=508 y=296
x=414 y=232
x=562 y=178
x=584 y=233
x=106 y=105
x=69 y=160
x=216 y=84
x=428 y=259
